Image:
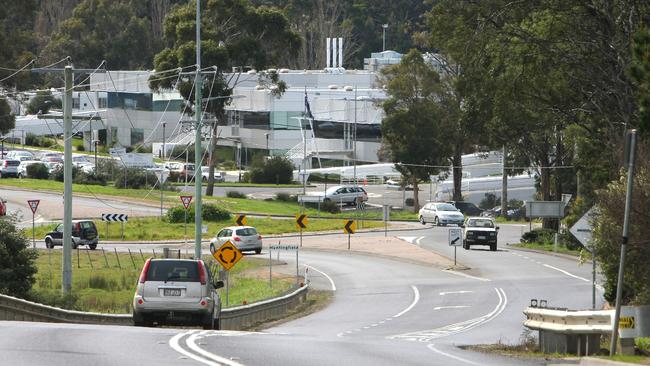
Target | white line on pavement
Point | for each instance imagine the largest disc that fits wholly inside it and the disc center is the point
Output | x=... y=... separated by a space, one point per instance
x=190 y=341
x=416 y=298
x=455 y=292
x=324 y=274
x=567 y=273
x=450 y=307
x=417 y=241
x=173 y=343
x=433 y=348
x=465 y=275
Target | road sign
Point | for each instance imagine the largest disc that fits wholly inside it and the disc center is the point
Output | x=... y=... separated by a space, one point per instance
x=241 y=220
x=350 y=226
x=228 y=255
x=283 y=247
x=33 y=204
x=455 y=237
x=162 y=174
x=301 y=221
x=115 y=217
x=582 y=229
x=626 y=322
x=186 y=201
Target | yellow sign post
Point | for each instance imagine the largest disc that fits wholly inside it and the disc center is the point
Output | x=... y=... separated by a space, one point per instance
x=301 y=223
x=349 y=228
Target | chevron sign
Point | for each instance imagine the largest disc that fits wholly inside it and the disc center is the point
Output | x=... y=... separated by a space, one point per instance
x=115 y=217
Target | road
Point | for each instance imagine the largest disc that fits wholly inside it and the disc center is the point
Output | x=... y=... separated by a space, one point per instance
x=384 y=312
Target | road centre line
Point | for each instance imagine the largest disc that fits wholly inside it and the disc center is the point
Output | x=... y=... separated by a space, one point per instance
x=466 y=275
x=190 y=341
x=416 y=298
x=433 y=348
x=324 y=274
x=450 y=307
x=566 y=273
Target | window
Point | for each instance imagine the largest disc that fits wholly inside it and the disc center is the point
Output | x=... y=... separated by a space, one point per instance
x=249 y=231
x=137 y=136
x=256 y=120
x=103 y=103
x=181 y=271
x=75 y=103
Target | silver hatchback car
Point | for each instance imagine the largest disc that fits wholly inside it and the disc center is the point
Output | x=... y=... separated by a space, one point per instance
x=245 y=238
x=177 y=291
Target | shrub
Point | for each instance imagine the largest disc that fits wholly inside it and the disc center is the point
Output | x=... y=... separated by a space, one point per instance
x=330 y=206
x=42 y=141
x=235 y=194
x=541 y=236
x=135 y=178
x=38 y=171
x=278 y=170
x=489 y=201
x=90 y=178
x=209 y=212
x=285 y=197
x=57 y=173
x=81 y=148
x=16 y=260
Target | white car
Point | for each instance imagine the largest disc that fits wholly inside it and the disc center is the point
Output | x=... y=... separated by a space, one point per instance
x=245 y=238
x=219 y=177
x=19 y=155
x=22 y=168
x=440 y=213
x=346 y=194
x=480 y=231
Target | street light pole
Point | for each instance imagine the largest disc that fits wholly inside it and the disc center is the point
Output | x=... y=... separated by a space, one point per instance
x=162 y=172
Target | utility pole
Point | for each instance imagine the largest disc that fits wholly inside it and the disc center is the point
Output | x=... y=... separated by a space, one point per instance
x=504 y=186
x=162 y=172
x=197 y=140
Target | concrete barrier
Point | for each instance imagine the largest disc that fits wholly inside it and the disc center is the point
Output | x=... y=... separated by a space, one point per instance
x=236 y=318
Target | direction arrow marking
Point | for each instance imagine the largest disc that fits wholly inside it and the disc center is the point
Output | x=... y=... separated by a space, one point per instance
x=455 y=292
x=455 y=240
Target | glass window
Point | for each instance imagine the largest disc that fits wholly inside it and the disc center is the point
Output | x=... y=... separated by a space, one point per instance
x=75 y=103
x=137 y=136
x=180 y=271
x=446 y=207
x=257 y=120
x=102 y=103
x=248 y=231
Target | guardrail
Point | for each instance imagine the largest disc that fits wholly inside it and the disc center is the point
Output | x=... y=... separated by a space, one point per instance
x=567 y=331
x=236 y=318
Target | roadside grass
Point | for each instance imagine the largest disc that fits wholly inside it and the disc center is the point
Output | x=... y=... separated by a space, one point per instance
x=105 y=282
x=639 y=360
x=154 y=229
x=550 y=248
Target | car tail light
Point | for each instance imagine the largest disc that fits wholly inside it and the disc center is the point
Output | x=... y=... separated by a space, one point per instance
x=201 y=273
x=145 y=269
x=259 y=237
x=140 y=301
x=203 y=302
x=6 y=164
x=236 y=238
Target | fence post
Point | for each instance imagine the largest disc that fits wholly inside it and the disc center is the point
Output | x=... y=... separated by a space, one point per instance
x=90 y=260
x=118 y=259
x=105 y=258
x=132 y=261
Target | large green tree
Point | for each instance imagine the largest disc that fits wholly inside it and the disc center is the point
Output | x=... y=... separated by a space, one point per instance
x=17 y=268
x=417 y=121
x=7 y=118
x=234 y=34
x=17 y=41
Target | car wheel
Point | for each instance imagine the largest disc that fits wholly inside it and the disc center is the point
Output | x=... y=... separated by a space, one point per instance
x=258 y=251
x=493 y=247
x=422 y=220
x=210 y=322
x=74 y=245
x=48 y=243
x=436 y=222
x=92 y=246
x=217 y=324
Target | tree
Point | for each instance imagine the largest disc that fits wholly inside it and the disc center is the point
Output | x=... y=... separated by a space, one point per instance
x=42 y=103
x=17 y=40
x=7 y=118
x=641 y=74
x=415 y=124
x=234 y=34
x=17 y=268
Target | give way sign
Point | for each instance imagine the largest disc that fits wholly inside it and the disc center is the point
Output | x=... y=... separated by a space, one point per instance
x=186 y=201
x=33 y=204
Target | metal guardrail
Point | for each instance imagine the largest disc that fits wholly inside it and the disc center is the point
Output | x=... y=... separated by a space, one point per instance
x=236 y=318
x=568 y=321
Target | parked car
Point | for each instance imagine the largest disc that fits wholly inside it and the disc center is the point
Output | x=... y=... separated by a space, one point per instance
x=480 y=231
x=513 y=213
x=440 y=213
x=177 y=291
x=52 y=159
x=467 y=208
x=84 y=232
x=219 y=176
x=187 y=172
x=22 y=168
x=245 y=238
x=346 y=194
x=18 y=154
x=52 y=166
x=9 y=167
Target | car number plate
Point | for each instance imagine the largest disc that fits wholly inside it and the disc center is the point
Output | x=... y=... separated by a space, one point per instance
x=172 y=292
x=481 y=237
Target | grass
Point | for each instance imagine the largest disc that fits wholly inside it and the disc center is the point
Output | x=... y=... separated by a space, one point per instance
x=639 y=360
x=105 y=281
x=153 y=229
x=549 y=248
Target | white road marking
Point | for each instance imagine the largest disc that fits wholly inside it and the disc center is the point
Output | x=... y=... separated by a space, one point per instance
x=428 y=335
x=416 y=298
x=433 y=348
x=190 y=341
x=455 y=292
x=417 y=241
x=567 y=273
x=450 y=307
x=173 y=343
x=324 y=274
x=410 y=239
x=466 y=275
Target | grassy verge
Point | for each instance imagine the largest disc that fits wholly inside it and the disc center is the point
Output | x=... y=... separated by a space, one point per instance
x=152 y=229
x=549 y=248
x=105 y=281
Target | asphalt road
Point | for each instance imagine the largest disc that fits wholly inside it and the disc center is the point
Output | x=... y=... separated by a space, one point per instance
x=384 y=312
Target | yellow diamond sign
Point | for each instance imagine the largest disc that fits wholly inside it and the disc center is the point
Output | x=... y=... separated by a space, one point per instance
x=227 y=255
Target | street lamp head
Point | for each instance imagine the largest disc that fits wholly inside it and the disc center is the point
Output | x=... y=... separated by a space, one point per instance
x=385 y=25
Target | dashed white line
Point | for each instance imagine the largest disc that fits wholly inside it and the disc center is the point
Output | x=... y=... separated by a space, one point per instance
x=455 y=292
x=567 y=273
x=450 y=307
x=324 y=274
x=433 y=348
x=416 y=298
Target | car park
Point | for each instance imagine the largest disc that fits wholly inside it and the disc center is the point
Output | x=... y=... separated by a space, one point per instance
x=440 y=213
x=245 y=238
x=467 y=208
x=177 y=291
x=9 y=168
x=346 y=194
x=84 y=232
x=480 y=231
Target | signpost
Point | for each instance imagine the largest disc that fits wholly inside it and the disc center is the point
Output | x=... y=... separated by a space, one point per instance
x=241 y=220
x=285 y=247
x=301 y=223
x=349 y=227
x=386 y=217
x=33 y=205
x=583 y=231
x=186 y=203
x=455 y=239
x=162 y=176
x=122 y=218
x=227 y=255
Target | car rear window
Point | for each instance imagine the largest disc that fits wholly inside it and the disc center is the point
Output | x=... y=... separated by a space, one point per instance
x=87 y=225
x=248 y=231
x=13 y=162
x=178 y=271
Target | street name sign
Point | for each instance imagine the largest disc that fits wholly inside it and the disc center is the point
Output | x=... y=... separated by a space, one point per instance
x=287 y=247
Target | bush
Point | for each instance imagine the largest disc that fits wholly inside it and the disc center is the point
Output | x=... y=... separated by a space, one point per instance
x=540 y=236
x=209 y=212
x=330 y=206
x=235 y=194
x=81 y=148
x=278 y=170
x=38 y=171
x=285 y=197
x=41 y=141
x=16 y=260
x=135 y=178
x=90 y=178
x=57 y=173
x=489 y=201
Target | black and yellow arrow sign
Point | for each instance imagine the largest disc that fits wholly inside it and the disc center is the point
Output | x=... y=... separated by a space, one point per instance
x=626 y=322
x=301 y=221
x=350 y=226
x=241 y=220
x=227 y=255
